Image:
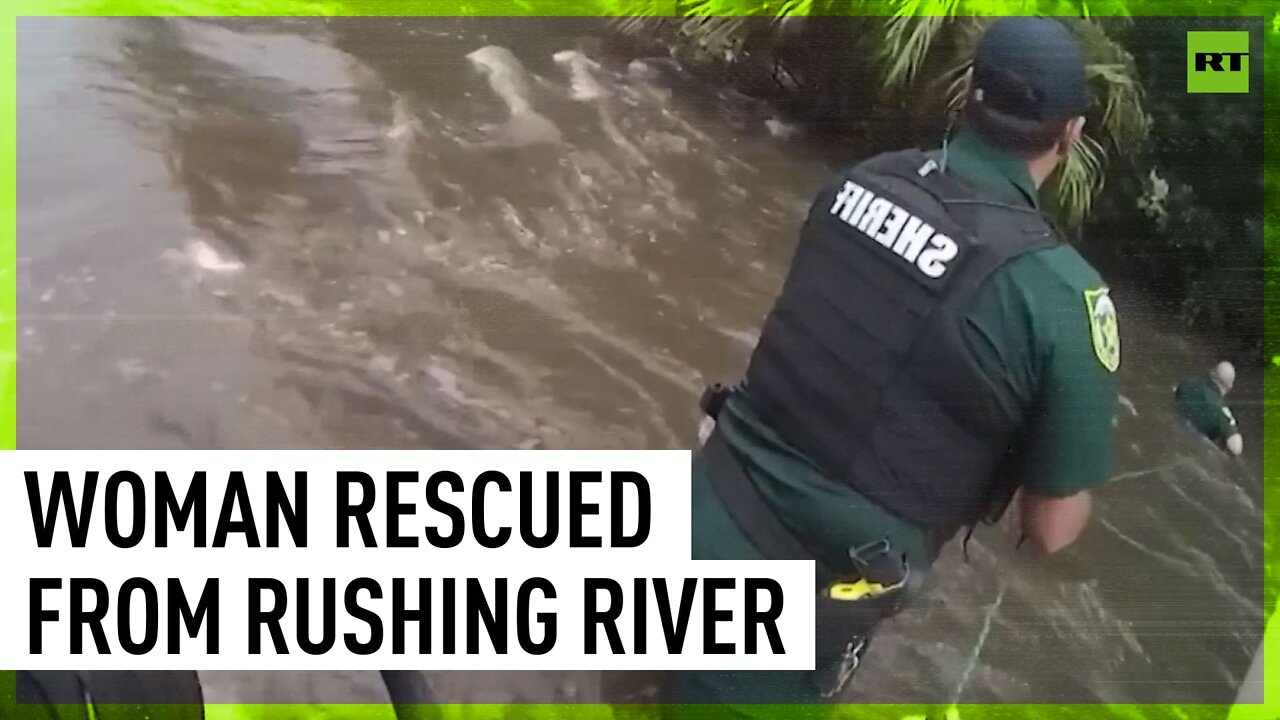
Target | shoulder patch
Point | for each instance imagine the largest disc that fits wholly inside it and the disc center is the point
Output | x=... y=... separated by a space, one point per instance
x=1104 y=327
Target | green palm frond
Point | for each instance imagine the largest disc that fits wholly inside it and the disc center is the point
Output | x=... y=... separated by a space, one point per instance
x=640 y=17
x=635 y=24
x=1080 y=178
x=1124 y=122
x=958 y=89
x=1113 y=76
x=796 y=7
x=942 y=35
x=1123 y=116
x=909 y=34
x=954 y=80
x=720 y=8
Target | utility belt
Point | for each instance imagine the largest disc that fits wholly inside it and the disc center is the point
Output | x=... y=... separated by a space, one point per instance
x=851 y=600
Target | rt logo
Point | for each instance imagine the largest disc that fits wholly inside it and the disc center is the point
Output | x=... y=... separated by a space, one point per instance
x=1218 y=62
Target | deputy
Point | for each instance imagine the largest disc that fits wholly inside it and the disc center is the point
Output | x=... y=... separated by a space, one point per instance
x=1201 y=401
x=935 y=350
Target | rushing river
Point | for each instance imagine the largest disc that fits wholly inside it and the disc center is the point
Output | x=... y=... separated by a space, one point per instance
x=356 y=233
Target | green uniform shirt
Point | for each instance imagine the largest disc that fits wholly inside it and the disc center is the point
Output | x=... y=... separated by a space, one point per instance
x=1030 y=330
x=1199 y=400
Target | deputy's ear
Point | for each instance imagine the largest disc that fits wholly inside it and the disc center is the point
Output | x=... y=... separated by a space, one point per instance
x=1071 y=134
x=1078 y=130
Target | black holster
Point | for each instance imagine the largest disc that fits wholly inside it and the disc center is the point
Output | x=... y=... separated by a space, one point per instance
x=843 y=630
x=713 y=399
x=844 y=627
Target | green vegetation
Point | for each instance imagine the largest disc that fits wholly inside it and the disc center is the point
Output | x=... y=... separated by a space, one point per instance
x=907 y=59
x=1165 y=189
x=1197 y=184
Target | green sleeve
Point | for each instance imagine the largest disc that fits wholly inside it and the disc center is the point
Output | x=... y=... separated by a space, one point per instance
x=1031 y=331
x=1067 y=445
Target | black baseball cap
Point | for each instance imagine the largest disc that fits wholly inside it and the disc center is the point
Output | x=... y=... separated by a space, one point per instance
x=1030 y=68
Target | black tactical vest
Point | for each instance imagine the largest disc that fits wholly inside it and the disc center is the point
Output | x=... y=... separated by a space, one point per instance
x=863 y=365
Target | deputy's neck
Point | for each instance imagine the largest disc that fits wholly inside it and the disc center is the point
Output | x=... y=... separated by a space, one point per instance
x=1042 y=167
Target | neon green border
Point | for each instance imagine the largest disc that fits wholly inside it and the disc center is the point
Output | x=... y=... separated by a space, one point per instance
x=1173 y=8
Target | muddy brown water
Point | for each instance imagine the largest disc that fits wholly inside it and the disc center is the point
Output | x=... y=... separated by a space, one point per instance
x=296 y=233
